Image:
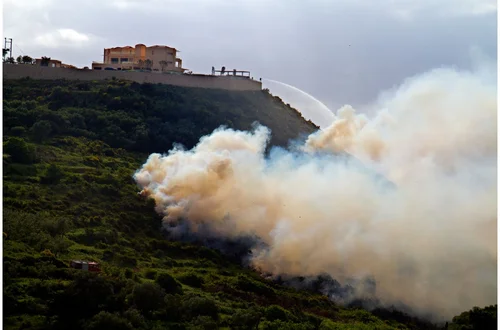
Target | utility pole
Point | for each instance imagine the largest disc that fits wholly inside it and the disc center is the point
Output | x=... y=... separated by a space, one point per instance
x=8 y=41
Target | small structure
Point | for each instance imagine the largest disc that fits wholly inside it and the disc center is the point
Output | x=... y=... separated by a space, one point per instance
x=234 y=72
x=47 y=61
x=88 y=266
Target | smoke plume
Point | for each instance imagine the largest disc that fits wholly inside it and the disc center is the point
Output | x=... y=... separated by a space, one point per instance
x=427 y=242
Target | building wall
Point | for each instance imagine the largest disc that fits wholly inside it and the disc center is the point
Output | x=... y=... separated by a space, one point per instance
x=11 y=71
x=118 y=55
x=119 y=66
x=158 y=54
x=127 y=58
x=140 y=52
x=52 y=63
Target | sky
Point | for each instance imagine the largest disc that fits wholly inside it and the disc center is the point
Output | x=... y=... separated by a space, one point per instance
x=341 y=52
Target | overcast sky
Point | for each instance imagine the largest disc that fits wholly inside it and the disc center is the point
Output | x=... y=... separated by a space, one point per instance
x=340 y=51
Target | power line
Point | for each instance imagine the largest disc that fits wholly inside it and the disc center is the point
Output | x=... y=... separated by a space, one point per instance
x=22 y=53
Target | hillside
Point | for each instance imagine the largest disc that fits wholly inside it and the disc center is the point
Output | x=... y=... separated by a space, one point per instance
x=70 y=150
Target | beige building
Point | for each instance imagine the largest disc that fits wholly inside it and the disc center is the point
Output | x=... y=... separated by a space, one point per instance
x=47 y=61
x=140 y=57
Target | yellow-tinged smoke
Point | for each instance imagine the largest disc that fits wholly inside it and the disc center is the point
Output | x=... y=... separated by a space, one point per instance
x=429 y=243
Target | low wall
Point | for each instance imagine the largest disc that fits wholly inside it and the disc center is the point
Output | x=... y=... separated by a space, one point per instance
x=18 y=71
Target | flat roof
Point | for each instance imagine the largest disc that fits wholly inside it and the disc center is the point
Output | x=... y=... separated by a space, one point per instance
x=154 y=46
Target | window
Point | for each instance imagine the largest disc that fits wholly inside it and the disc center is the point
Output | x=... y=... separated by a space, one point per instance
x=123 y=60
x=114 y=60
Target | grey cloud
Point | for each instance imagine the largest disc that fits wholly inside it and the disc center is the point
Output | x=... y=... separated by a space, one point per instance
x=340 y=52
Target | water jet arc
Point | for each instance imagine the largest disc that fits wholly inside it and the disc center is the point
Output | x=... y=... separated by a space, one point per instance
x=310 y=107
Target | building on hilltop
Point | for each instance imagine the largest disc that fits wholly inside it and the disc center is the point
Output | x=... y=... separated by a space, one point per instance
x=47 y=61
x=140 y=57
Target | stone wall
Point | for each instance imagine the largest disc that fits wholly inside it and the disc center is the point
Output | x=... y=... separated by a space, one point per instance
x=15 y=71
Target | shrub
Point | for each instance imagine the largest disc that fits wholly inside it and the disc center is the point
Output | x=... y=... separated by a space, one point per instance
x=203 y=323
x=246 y=319
x=275 y=312
x=41 y=130
x=192 y=280
x=53 y=175
x=108 y=321
x=19 y=150
x=248 y=285
x=128 y=273
x=148 y=297
x=198 y=306
x=168 y=283
x=18 y=131
x=135 y=318
x=150 y=274
x=172 y=308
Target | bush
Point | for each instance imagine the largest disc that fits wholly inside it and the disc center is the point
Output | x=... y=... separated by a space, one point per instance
x=108 y=321
x=168 y=283
x=275 y=312
x=128 y=273
x=151 y=274
x=203 y=323
x=53 y=175
x=192 y=280
x=135 y=318
x=172 y=308
x=246 y=319
x=19 y=150
x=249 y=285
x=86 y=296
x=198 y=306
x=41 y=130
x=148 y=297
x=18 y=131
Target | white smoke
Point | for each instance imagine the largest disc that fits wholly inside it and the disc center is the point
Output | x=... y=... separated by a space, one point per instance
x=429 y=243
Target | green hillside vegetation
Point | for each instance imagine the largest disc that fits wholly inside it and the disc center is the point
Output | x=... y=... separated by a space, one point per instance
x=70 y=150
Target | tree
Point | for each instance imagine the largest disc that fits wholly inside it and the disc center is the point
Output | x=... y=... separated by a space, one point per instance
x=148 y=64
x=19 y=59
x=163 y=64
x=476 y=318
x=10 y=60
x=141 y=64
x=27 y=59
x=45 y=61
x=5 y=51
